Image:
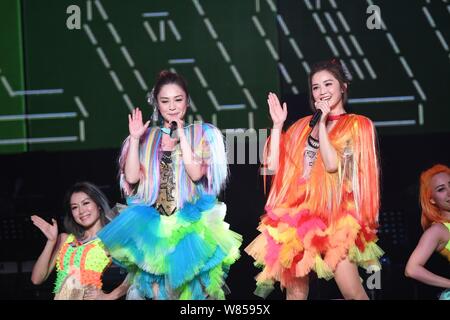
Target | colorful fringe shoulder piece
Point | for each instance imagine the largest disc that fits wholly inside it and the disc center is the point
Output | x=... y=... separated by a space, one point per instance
x=207 y=144
x=149 y=157
x=354 y=139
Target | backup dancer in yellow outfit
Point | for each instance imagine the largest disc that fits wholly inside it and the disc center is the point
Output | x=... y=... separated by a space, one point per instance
x=322 y=210
x=435 y=202
x=80 y=257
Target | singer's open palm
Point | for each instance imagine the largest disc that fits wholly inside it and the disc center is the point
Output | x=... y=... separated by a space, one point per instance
x=277 y=113
x=135 y=124
x=49 y=230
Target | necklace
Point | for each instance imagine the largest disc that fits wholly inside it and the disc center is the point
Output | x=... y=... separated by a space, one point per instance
x=332 y=117
x=165 y=130
x=84 y=241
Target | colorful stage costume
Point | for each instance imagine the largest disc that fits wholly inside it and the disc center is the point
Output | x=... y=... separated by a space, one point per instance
x=79 y=265
x=315 y=219
x=445 y=295
x=173 y=235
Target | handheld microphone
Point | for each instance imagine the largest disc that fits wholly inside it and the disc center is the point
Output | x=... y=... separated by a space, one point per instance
x=173 y=128
x=315 y=118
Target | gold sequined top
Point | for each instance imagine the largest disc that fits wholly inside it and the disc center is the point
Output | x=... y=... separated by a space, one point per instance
x=166 y=203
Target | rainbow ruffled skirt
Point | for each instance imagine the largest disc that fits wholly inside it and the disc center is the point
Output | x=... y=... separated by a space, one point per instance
x=186 y=255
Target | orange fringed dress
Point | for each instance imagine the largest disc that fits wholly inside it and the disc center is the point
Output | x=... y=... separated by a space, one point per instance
x=314 y=220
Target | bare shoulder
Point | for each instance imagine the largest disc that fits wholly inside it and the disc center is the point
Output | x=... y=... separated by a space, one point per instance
x=62 y=237
x=438 y=230
x=438 y=234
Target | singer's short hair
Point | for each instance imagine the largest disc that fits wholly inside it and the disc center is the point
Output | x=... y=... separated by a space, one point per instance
x=334 y=66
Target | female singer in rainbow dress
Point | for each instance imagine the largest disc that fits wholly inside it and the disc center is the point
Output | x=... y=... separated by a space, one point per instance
x=172 y=238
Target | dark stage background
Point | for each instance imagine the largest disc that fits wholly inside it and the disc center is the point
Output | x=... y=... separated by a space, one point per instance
x=64 y=99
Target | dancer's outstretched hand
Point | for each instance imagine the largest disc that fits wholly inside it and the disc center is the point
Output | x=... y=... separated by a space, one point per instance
x=49 y=230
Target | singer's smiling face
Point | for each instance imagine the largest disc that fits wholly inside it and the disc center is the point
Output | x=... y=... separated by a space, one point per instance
x=325 y=87
x=172 y=102
x=85 y=211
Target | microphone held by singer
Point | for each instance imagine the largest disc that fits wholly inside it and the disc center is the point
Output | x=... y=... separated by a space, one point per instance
x=173 y=129
x=315 y=118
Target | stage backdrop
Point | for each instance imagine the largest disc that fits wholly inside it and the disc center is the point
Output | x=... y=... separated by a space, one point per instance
x=71 y=89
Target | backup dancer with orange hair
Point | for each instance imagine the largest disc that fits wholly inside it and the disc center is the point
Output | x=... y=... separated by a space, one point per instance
x=322 y=210
x=435 y=203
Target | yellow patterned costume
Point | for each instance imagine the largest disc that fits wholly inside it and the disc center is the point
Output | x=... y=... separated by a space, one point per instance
x=79 y=265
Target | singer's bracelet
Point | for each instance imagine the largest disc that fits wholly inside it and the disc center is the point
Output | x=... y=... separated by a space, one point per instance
x=314 y=143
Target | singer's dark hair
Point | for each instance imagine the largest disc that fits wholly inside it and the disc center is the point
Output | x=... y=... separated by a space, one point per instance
x=333 y=66
x=168 y=77
x=92 y=192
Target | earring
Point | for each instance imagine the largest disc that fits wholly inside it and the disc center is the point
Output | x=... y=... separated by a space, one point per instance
x=151 y=101
x=155 y=114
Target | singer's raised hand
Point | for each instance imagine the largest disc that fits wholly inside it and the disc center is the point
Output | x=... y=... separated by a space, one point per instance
x=135 y=124
x=323 y=106
x=277 y=113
